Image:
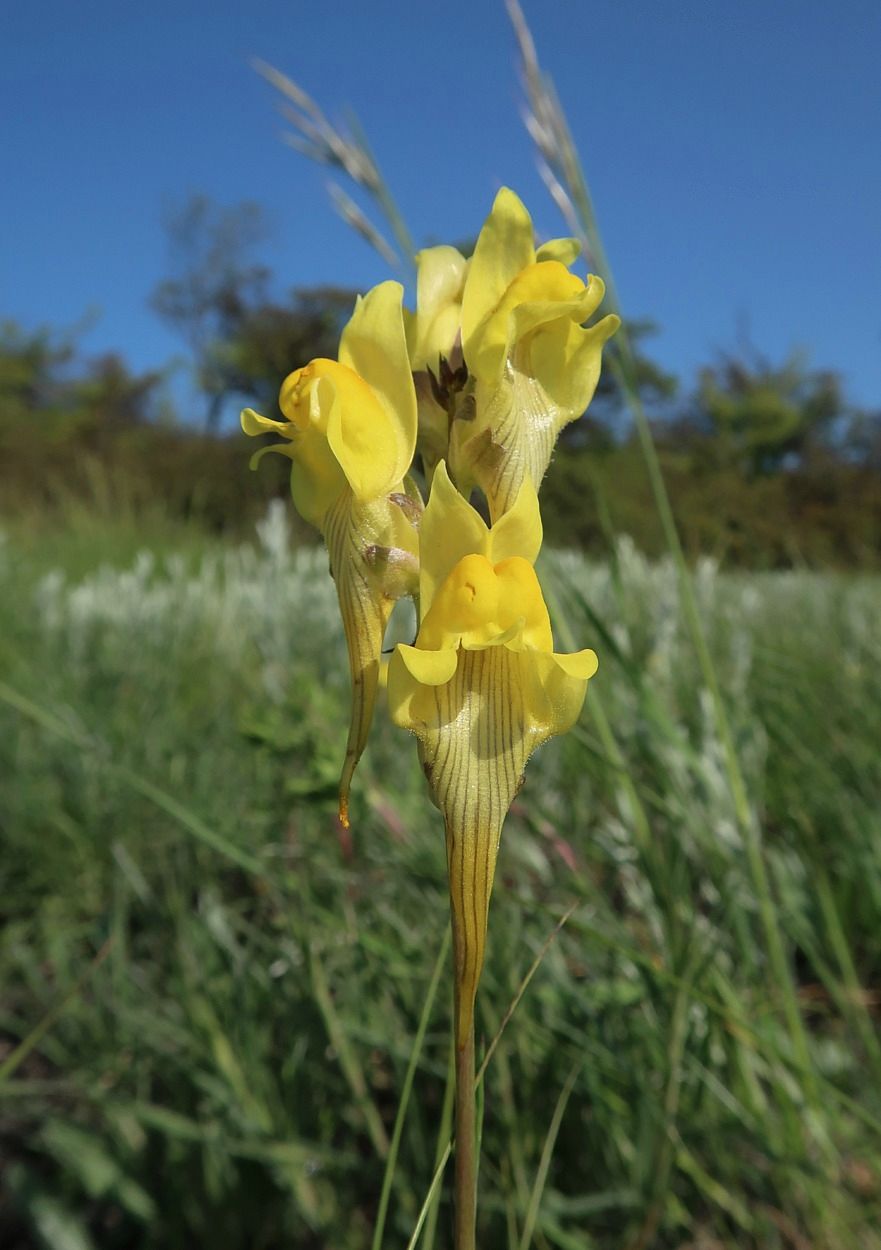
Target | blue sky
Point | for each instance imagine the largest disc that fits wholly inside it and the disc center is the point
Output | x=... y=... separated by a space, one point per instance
x=732 y=151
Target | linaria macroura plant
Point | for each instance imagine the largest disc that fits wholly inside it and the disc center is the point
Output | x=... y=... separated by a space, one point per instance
x=502 y=360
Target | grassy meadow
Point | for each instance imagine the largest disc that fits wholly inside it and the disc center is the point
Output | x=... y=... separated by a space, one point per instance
x=214 y=1004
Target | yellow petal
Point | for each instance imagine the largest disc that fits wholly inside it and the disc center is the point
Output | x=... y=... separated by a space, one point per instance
x=580 y=664
x=566 y=364
x=440 y=277
x=550 y=381
x=511 y=637
x=482 y=605
x=539 y=294
x=518 y=532
x=429 y=668
x=374 y=346
x=553 y=688
x=450 y=529
x=284 y=449
x=300 y=395
x=254 y=423
x=513 y=441
x=566 y=251
x=364 y=442
x=504 y=247
x=317 y=479
x=330 y=400
x=555 y=295
x=466 y=607
x=412 y=703
x=521 y=599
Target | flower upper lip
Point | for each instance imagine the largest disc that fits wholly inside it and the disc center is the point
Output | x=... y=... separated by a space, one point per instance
x=360 y=424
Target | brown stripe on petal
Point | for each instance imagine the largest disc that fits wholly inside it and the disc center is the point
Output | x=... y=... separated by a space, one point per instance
x=475 y=753
x=521 y=423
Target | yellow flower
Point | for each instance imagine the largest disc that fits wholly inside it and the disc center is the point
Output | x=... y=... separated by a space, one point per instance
x=350 y=434
x=434 y=328
x=434 y=339
x=481 y=689
x=534 y=364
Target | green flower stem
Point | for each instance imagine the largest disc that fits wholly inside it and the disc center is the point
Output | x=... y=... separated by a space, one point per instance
x=465 y=1179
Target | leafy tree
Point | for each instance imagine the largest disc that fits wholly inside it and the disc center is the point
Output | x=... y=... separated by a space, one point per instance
x=862 y=441
x=214 y=281
x=271 y=339
x=763 y=416
x=43 y=380
x=30 y=365
x=243 y=342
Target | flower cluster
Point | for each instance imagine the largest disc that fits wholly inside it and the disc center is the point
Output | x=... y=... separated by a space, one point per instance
x=469 y=392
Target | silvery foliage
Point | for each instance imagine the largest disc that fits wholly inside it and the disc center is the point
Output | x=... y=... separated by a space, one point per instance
x=273 y=603
x=272 y=600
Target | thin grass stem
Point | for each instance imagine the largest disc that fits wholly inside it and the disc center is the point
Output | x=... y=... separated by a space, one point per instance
x=481 y=1072
x=406 y=1089
x=544 y=1163
x=548 y=126
x=348 y=1059
x=20 y=1052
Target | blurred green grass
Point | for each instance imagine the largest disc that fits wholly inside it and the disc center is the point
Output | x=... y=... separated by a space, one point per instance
x=229 y=990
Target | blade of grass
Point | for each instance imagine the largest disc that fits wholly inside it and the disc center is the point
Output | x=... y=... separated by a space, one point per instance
x=547 y=1151
x=635 y=813
x=406 y=1089
x=560 y=159
x=663 y=1157
x=481 y=1072
x=41 y=716
x=521 y=990
x=189 y=821
x=352 y=1069
x=856 y=1000
x=515 y=1161
x=18 y=1055
x=445 y=1129
x=165 y=802
x=317 y=138
x=433 y=1190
